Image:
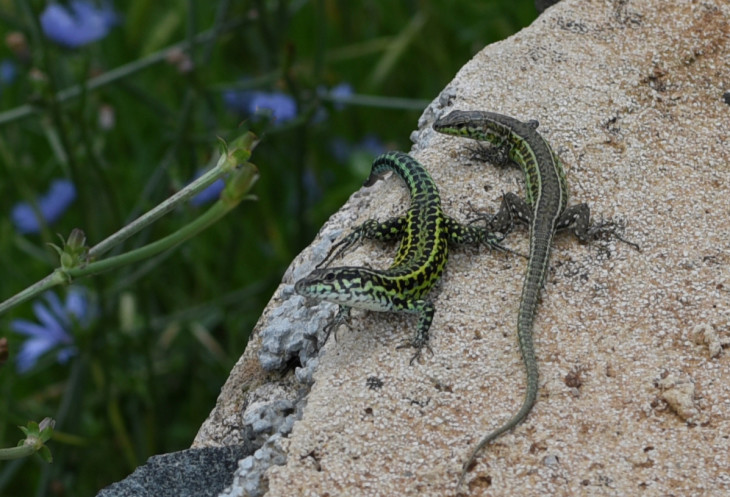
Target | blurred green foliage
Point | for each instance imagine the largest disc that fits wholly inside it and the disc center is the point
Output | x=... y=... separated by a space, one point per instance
x=167 y=331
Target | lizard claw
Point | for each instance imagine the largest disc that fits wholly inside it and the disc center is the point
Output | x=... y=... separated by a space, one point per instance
x=418 y=345
x=604 y=230
x=342 y=317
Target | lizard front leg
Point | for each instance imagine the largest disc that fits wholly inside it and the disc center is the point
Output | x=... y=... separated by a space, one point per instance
x=392 y=229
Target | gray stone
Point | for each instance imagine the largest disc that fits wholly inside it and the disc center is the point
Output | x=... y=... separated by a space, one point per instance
x=631 y=95
x=188 y=473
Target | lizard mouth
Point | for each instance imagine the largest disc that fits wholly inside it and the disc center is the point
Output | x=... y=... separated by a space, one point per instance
x=302 y=288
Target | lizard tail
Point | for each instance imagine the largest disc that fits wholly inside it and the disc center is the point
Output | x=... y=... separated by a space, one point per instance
x=536 y=269
x=528 y=355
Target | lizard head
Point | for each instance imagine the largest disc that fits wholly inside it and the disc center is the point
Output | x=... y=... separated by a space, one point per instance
x=350 y=286
x=480 y=125
x=456 y=123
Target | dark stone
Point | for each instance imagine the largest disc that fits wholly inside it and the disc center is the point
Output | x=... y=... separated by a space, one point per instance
x=541 y=5
x=188 y=473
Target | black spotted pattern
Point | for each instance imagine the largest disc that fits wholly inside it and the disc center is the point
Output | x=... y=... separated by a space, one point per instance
x=425 y=234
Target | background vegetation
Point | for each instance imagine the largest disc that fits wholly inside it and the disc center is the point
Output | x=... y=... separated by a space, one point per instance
x=147 y=355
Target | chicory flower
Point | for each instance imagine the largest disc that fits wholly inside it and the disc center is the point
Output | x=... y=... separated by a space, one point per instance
x=56 y=321
x=79 y=24
x=51 y=206
x=279 y=106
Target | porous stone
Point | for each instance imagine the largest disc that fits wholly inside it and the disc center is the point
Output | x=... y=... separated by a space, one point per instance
x=633 y=96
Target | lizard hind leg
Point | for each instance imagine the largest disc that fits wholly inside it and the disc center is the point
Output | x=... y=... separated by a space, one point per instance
x=372 y=229
x=497 y=154
x=342 y=317
x=340 y=247
x=513 y=210
x=578 y=217
x=419 y=341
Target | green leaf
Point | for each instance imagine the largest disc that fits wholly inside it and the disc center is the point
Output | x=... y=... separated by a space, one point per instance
x=45 y=453
x=162 y=34
x=240 y=183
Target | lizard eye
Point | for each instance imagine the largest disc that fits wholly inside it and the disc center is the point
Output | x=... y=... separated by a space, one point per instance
x=329 y=277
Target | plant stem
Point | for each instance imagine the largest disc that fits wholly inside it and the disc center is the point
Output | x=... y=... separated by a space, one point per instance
x=121 y=72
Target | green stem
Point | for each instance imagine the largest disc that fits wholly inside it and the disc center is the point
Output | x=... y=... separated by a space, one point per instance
x=218 y=210
x=36 y=288
x=57 y=277
x=380 y=102
x=395 y=50
x=24 y=450
x=213 y=214
x=239 y=184
x=208 y=178
x=120 y=431
x=119 y=73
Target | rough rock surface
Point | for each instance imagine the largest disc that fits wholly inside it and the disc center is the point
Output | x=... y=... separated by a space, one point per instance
x=201 y=472
x=635 y=370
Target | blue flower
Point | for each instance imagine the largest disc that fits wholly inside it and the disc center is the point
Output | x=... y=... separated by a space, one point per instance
x=237 y=101
x=56 y=321
x=372 y=144
x=81 y=24
x=312 y=190
x=341 y=93
x=209 y=194
x=51 y=206
x=342 y=150
x=8 y=72
x=279 y=106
